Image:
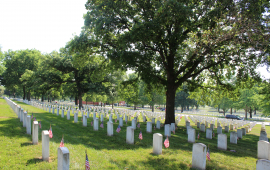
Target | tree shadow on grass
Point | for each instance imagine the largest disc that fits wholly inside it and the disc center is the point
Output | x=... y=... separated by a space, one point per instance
x=154 y=162
x=34 y=161
x=26 y=144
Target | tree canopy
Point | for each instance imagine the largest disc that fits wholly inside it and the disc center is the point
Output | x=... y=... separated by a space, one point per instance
x=172 y=42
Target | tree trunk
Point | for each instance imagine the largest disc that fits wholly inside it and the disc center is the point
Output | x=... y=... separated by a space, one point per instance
x=231 y=110
x=86 y=101
x=182 y=109
x=42 y=98
x=246 y=112
x=170 y=101
x=250 y=112
x=80 y=100
x=112 y=105
x=255 y=111
x=134 y=107
x=23 y=93
x=48 y=98
x=218 y=108
x=153 y=108
x=76 y=100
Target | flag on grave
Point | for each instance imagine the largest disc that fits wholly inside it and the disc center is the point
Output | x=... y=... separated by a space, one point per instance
x=101 y=125
x=213 y=134
x=92 y=123
x=126 y=122
x=87 y=166
x=32 y=116
x=140 y=135
x=154 y=127
x=35 y=119
x=62 y=142
x=115 y=120
x=50 y=132
x=173 y=131
x=118 y=129
x=198 y=136
x=138 y=126
x=208 y=154
x=39 y=125
x=166 y=142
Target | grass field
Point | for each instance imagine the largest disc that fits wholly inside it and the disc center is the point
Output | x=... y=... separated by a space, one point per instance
x=17 y=151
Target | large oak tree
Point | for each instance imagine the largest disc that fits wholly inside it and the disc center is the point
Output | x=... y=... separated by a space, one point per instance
x=176 y=41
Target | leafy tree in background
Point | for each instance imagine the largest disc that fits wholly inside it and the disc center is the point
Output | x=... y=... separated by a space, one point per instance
x=16 y=63
x=173 y=42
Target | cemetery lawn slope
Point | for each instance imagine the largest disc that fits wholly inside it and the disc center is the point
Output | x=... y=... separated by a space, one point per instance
x=17 y=151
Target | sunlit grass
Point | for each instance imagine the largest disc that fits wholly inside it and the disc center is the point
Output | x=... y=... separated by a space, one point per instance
x=105 y=152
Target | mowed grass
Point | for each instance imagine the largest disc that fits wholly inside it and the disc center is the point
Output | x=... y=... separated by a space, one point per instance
x=17 y=151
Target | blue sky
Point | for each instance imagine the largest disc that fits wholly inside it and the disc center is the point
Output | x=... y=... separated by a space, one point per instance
x=44 y=25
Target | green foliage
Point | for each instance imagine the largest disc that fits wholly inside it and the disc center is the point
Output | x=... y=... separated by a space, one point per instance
x=173 y=42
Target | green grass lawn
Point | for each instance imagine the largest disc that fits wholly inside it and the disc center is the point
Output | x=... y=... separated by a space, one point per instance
x=17 y=151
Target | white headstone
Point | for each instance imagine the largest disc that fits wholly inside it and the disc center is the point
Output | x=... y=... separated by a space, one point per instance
x=24 y=119
x=121 y=121
x=28 y=125
x=68 y=114
x=45 y=145
x=262 y=164
x=157 y=143
x=35 y=133
x=173 y=127
x=239 y=133
x=153 y=120
x=63 y=113
x=63 y=158
x=263 y=150
x=233 y=137
x=158 y=124
x=199 y=156
x=191 y=135
x=222 y=141
x=110 y=128
x=149 y=127
x=209 y=133
x=202 y=128
x=130 y=135
x=85 y=120
x=226 y=129
x=96 y=124
x=133 y=124
x=198 y=125
x=75 y=117
x=167 y=130
x=243 y=131
x=219 y=130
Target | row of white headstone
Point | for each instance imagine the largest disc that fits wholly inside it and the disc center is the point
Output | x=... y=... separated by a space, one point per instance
x=63 y=152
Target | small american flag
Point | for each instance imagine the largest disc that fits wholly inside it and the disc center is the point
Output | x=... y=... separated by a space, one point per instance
x=213 y=134
x=87 y=166
x=81 y=119
x=198 y=136
x=154 y=127
x=35 y=119
x=101 y=125
x=173 y=131
x=138 y=126
x=50 y=132
x=166 y=142
x=208 y=155
x=32 y=116
x=39 y=125
x=115 y=120
x=126 y=122
x=118 y=129
x=62 y=143
x=140 y=135
x=92 y=123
